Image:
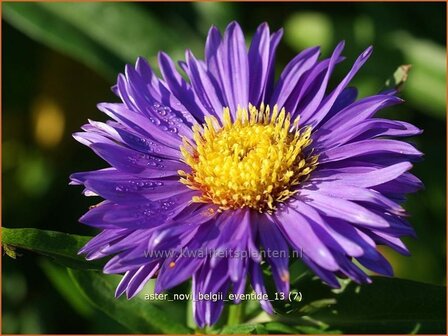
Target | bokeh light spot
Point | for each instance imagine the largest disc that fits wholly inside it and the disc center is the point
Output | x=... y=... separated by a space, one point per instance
x=49 y=122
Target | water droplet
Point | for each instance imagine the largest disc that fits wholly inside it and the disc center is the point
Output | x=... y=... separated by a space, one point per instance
x=121 y=188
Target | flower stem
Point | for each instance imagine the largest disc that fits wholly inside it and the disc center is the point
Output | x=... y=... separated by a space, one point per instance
x=200 y=331
x=236 y=314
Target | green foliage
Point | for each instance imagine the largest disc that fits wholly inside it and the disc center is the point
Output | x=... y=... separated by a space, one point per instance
x=61 y=247
x=61 y=280
x=388 y=305
x=102 y=35
x=120 y=28
x=274 y=328
x=240 y=329
x=427 y=82
x=138 y=315
x=48 y=28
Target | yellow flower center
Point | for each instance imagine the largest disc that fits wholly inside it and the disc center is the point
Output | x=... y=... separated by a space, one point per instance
x=255 y=161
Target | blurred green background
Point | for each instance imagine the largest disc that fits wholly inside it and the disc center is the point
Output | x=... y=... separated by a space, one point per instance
x=60 y=59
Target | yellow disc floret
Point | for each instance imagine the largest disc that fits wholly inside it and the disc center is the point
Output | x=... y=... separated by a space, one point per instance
x=255 y=161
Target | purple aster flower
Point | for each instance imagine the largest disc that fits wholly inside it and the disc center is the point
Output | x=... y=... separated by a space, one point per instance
x=232 y=160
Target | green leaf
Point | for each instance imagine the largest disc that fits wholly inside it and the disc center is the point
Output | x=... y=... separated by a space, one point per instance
x=388 y=305
x=138 y=315
x=282 y=328
x=279 y=328
x=273 y=328
x=62 y=247
x=426 y=88
x=261 y=330
x=61 y=280
x=46 y=27
x=239 y=329
x=125 y=29
x=102 y=35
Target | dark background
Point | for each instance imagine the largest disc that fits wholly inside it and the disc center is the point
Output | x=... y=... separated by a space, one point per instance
x=50 y=90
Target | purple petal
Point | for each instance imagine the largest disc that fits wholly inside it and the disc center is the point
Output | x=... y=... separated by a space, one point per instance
x=365 y=147
x=350 y=246
x=239 y=286
x=365 y=178
x=140 y=124
x=328 y=102
x=354 y=113
x=291 y=75
x=175 y=271
x=367 y=129
x=343 y=209
x=388 y=240
x=204 y=87
x=180 y=88
x=406 y=183
x=308 y=111
x=121 y=288
x=145 y=145
x=212 y=45
x=352 y=193
x=97 y=132
x=325 y=275
x=302 y=236
x=149 y=214
x=273 y=44
x=376 y=262
x=232 y=68
x=257 y=283
x=138 y=190
x=104 y=238
x=274 y=242
x=215 y=278
x=258 y=63
x=130 y=161
x=140 y=278
x=134 y=92
x=346 y=98
x=378 y=127
x=308 y=86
